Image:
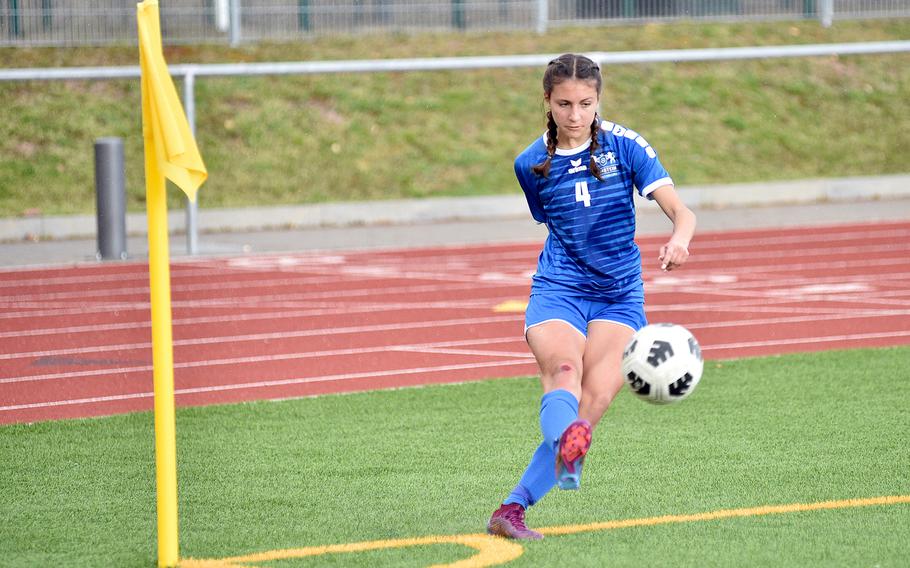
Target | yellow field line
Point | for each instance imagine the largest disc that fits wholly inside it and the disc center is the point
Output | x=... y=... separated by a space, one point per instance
x=493 y=551
x=727 y=513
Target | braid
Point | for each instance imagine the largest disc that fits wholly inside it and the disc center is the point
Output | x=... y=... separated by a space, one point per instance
x=543 y=168
x=592 y=165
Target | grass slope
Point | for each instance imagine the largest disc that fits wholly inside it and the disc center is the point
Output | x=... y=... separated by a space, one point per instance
x=436 y=461
x=306 y=139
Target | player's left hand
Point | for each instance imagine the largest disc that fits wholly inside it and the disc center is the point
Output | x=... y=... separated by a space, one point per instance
x=673 y=255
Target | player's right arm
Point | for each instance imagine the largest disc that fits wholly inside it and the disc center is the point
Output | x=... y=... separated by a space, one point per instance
x=529 y=183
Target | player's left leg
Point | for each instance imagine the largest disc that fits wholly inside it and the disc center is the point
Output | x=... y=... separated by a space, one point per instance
x=602 y=378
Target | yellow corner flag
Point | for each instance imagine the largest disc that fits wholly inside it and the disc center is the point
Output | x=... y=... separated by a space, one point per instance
x=170 y=152
x=163 y=121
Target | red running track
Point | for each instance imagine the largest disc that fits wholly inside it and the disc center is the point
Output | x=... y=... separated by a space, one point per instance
x=75 y=341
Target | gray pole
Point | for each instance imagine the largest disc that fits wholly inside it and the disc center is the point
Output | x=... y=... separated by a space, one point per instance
x=543 y=16
x=235 y=22
x=110 y=192
x=189 y=104
x=826 y=13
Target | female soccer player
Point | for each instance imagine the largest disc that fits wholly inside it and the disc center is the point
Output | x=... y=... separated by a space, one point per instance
x=587 y=296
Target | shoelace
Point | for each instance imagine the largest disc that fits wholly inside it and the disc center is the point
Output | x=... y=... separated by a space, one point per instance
x=517 y=519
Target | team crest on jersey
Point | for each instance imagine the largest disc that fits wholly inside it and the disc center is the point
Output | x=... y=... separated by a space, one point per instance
x=607 y=163
x=576 y=166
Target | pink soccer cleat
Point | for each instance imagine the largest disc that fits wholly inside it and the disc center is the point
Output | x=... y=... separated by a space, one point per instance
x=570 y=454
x=509 y=521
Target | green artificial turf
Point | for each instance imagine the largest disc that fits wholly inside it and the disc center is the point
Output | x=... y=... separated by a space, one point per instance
x=437 y=460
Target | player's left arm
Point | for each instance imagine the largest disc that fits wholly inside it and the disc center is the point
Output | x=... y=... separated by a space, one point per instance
x=676 y=251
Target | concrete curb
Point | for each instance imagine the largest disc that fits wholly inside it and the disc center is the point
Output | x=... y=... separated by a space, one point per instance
x=404 y=211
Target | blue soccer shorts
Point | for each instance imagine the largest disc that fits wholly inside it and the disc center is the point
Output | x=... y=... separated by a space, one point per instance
x=579 y=312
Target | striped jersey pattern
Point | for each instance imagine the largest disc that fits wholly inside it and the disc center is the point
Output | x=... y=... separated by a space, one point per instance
x=590 y=250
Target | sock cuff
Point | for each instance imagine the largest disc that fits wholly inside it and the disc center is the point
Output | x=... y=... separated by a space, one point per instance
x=521 y=496
x=561 y=395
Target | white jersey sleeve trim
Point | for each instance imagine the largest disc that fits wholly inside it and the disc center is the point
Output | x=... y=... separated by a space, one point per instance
x=649 y=189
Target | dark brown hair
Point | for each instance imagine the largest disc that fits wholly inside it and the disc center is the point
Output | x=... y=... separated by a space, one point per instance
x=565 y=67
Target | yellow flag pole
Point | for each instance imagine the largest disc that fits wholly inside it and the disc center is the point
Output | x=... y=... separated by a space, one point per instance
x=163 y=359
x=162 y=340
x=170 y=152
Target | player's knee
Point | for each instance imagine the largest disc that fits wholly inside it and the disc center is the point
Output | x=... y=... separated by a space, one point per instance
x=566 y=374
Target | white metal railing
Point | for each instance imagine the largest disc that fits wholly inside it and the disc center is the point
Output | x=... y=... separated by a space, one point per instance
x=104 y=22
x=189 y=72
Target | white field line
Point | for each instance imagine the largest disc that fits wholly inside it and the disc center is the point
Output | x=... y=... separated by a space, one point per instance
x=268 y=384
x=272 y=335
x=417 y=347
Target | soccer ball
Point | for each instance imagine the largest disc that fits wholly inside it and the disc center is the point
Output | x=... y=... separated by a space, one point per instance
x=662 y=363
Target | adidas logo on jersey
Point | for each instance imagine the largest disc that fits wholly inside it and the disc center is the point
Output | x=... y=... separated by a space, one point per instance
x=576 y=166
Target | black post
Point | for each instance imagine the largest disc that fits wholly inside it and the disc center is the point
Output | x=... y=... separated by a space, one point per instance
x=110 y=193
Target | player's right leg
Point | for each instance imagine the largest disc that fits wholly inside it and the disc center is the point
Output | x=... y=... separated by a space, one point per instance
x=554 y=334
x=555 y=345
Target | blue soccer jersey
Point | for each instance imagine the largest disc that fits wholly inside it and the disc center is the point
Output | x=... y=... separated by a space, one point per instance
x=590 y=250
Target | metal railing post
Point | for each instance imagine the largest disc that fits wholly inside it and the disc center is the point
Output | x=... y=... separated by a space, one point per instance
x=543 y=15
x=192 y=207
x=826 y=12
x=235 y=23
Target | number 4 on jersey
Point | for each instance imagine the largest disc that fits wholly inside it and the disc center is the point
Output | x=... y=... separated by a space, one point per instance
x=581 y=193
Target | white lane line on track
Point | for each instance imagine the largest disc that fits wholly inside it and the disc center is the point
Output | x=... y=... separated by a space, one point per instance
x=222 y=302
x=369 y=289
x=484 y=304
x=273 y=335
x=267 y=384
x=893 y=250
x=688 y=282
x=372 y=271
x=820 y=314
x=470 y=352
x=807 y=340
x=416 y=347
x=895 y=235
x=412 y=371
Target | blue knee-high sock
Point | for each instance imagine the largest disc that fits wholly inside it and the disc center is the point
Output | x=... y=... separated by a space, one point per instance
x=557 y=410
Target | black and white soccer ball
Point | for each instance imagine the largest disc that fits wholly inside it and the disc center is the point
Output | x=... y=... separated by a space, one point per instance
x=662 y=363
